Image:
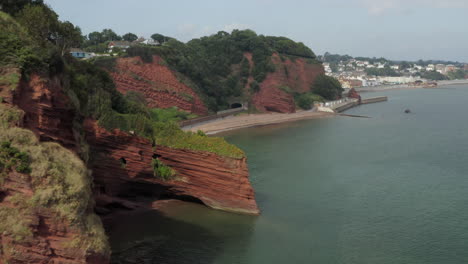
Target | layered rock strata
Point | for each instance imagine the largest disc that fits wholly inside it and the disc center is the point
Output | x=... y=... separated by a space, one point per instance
x=123 y=172
x=161 y=86
x=290 y=76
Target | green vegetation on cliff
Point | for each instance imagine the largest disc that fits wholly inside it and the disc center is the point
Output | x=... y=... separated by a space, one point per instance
x=217 y=64
x=91 y=90
x=59 y=180
x=327 y=87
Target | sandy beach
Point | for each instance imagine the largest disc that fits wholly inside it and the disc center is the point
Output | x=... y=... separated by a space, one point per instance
x=250 y=120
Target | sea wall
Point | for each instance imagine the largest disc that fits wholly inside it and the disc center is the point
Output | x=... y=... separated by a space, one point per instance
x=374 y=100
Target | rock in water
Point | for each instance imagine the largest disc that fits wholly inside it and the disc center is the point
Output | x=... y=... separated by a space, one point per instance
x=407 y=111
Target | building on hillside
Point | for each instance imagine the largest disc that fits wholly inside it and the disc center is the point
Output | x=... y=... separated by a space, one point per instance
x=326 y=67
x=350 y=83
x=81 y=54
x=142 y=40
x=430 y=67
x=465 y=67
x=124 y=45
x=395 y=67
x=440 y=68
x=450 y=68
x=397 y=79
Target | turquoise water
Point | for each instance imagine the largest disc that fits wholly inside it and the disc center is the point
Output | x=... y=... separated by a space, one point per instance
x=392 y=188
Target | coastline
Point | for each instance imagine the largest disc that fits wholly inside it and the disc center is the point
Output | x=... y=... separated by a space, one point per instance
x=382 y=88
x=253 y=120
x=241 y=121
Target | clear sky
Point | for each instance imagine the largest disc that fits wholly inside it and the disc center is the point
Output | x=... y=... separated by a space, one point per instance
x=395 y=29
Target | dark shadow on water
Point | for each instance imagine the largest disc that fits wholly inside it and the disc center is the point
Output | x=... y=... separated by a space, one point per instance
x=151 y=237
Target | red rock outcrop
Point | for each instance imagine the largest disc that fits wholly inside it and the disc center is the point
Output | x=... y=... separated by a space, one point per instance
x=47 y=110
x=122 y=169
x=354 y=94
x=298 y=75
x=157 y=83
x=52 y=236
x=219 y=182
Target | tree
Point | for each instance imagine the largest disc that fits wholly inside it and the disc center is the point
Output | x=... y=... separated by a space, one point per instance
x=41 y=22
x=327 y=87
x=109 y=35
x=130 y=37
x=14 y=6
x=160 y=38
x=68 y=36
x=95 y=37
x=405 y=65
x=433 y=75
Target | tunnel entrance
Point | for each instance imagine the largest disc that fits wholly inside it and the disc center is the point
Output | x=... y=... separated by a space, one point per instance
x=236 y=105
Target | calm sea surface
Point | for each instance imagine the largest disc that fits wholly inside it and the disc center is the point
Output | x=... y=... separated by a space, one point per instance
x=389 y=189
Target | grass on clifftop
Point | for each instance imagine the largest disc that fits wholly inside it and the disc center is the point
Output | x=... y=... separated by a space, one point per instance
x=169 y=134
x=60 y=182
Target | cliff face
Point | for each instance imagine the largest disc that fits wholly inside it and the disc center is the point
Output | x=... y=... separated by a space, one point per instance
x=157 y=83
x=219 y=182
x=47 y=110
x=290 y=76
x=52 y=236
x=123 y=173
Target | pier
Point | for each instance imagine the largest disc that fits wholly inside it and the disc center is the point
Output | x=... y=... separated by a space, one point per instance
x=341 y=105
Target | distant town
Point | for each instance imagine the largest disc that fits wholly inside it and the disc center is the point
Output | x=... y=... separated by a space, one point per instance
x=361 y=72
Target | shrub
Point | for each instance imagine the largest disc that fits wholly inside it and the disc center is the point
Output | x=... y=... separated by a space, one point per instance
x=327 y=87
x=255 y=87
x=60 y=182
x=12 y=158
x=162 y=171
x=305 y=102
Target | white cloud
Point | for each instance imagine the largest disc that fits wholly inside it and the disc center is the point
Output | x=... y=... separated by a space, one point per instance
x=229 y=28
x=379 y=7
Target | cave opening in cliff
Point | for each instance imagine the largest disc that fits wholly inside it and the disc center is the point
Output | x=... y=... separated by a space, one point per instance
x=236 y=105
x=123 y=162
x=185 y=198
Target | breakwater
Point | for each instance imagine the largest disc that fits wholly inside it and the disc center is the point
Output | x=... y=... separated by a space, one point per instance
x=341 y=105
x=374 y=100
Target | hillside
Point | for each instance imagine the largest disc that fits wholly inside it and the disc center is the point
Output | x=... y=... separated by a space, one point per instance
x=222 y=69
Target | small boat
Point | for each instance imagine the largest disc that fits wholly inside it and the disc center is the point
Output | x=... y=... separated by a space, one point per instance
x=407 y=111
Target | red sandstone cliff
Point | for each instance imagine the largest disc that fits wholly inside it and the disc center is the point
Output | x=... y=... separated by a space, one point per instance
x=354 y=94
x=122 y=169
x=218 y=182
x=298 y=75
x=157 y=83
x=52 y=235
x=47 y=110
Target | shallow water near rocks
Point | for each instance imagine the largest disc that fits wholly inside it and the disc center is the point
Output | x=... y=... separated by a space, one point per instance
x=389 y=189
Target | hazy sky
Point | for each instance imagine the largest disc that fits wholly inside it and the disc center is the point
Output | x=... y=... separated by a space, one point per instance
x=395 y=29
